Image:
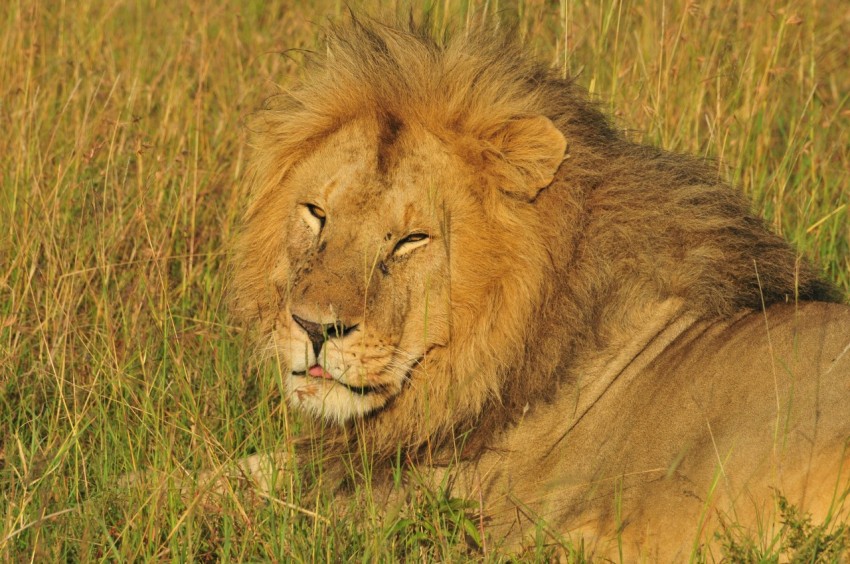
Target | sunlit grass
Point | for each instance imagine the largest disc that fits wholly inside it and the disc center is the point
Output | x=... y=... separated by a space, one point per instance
x=121 y=153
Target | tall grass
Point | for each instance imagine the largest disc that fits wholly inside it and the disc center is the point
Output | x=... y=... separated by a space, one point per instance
x=121 y=152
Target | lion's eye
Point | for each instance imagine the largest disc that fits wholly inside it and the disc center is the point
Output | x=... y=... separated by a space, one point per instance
x=314 y=216
x=317 y=212
x=411 y=242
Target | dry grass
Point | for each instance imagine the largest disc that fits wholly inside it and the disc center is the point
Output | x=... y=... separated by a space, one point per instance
x=121 y=155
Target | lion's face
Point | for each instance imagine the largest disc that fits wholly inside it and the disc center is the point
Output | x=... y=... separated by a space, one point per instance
x=394 y=265
x=366 y=277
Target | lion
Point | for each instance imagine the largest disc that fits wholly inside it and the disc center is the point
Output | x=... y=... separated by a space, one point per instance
x=459 y=262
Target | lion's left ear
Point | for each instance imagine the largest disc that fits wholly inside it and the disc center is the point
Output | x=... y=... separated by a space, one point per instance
x=524 y=155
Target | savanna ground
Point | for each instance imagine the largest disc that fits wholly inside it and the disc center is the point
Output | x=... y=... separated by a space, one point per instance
x=122 y=148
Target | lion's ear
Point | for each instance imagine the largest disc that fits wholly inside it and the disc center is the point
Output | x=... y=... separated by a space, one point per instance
x=525 y=153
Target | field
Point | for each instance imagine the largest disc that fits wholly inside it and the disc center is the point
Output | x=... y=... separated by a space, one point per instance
x=121 y=155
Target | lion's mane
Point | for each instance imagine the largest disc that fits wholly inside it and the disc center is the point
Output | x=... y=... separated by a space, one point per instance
x=622 y=226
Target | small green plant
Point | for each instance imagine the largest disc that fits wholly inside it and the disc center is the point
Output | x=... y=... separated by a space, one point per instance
x=798 y=539
x=433 y=523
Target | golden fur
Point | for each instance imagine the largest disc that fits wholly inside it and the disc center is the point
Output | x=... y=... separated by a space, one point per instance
x=444 y=240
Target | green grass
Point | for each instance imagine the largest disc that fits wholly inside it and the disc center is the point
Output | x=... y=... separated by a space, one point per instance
x=121 y=153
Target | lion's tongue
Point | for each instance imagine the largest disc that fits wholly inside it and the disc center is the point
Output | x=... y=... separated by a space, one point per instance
x=318 y=372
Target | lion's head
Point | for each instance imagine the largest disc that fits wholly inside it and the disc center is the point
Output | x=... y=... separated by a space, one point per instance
x=389 y=251
x=379 y=254
x=436 y=228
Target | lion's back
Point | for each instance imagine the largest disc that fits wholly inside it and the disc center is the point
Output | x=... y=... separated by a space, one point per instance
x=728 y=411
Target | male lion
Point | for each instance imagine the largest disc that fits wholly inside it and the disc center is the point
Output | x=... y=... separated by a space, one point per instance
x=452 y=253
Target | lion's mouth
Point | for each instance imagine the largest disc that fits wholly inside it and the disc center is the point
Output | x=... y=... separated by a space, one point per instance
x=320 y=373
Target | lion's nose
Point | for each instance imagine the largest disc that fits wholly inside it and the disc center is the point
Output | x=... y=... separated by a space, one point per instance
x=320 y=332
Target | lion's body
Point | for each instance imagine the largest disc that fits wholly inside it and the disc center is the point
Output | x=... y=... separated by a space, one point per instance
x=704 y=421
x=451 y=252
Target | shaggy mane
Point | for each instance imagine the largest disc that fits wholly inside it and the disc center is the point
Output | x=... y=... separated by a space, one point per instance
x=470 y=83
x=624 y=226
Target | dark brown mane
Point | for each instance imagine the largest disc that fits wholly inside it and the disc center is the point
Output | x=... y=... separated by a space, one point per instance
x=623 y=226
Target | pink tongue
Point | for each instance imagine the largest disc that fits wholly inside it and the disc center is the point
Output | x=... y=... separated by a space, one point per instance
x=318 y=372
